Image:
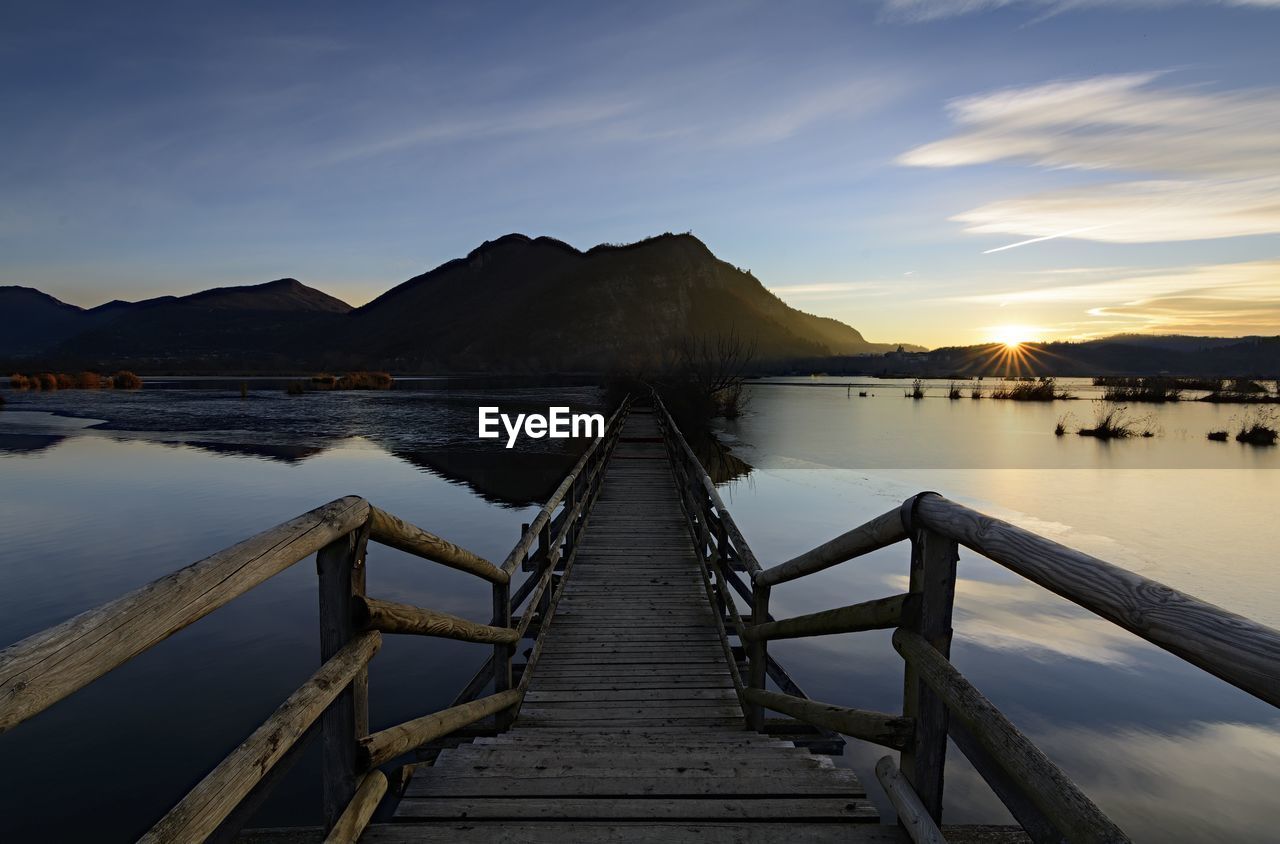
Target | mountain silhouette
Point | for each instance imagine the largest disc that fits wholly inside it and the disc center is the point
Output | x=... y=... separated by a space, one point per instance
x=514 y=304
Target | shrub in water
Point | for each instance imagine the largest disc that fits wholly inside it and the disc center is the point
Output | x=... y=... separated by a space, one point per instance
x=125 y=380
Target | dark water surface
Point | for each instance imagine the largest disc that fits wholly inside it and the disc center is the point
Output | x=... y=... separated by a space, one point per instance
x=90 y=510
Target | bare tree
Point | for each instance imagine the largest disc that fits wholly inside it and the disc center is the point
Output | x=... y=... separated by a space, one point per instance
x=716 y=366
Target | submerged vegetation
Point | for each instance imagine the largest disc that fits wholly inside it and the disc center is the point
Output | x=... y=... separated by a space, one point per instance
x=1113 y=422
x=49 y=381
x=325 y=382
x=1259 y=428
x=1154 y=390
x=1046 y=389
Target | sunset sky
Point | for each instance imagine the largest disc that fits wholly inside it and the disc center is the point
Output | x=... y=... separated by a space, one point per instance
x=930 y=171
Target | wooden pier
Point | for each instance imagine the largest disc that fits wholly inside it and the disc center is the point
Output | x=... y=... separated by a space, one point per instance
x=631 y=725
x=628 y=691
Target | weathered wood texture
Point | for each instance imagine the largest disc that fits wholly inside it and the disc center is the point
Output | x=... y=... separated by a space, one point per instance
x=390 y=617
x=340 y=583
x=630 y=714
x=355 y=817
x=1237 y=649
x=214 y=797
x=933 y=587
x=1052 y=791
x=879 y=728
x=389 y=530
x=875 y=534
x=385 y=745
x=912 y=815
x=879 y=614
x=43 y=669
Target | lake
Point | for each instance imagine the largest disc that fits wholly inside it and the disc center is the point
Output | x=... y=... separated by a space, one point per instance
x=102 y=492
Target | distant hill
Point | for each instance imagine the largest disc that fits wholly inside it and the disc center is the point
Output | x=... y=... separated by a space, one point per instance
x=258 y=326
x=35 y=321
x=1118 y=355
x=515 y=304
x=539 y=304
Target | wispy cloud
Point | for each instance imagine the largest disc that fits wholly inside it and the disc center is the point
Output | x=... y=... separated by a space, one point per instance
x=1240 y=298
x=826 y=290
x=1211 y=159
x=923 y=11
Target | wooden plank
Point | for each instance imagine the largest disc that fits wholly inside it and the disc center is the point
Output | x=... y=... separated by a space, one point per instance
x=672 y=784
x=790 y=809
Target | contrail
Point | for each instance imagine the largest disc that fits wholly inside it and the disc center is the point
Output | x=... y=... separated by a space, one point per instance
x=1067 y=233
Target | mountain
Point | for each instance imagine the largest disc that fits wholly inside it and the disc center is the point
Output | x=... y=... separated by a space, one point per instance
x=1124 y=354
x=259 y=326
x=538 y=304
x=516 y=304
x=34 y=321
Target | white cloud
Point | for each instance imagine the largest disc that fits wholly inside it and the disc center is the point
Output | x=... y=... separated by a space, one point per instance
x=923 y=11
x=1210 y=160
x=1240 y=298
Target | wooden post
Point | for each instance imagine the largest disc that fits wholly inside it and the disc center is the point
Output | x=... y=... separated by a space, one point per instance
x=503 y=653
x=933 y=581
x=757 y=655
x=341 y=570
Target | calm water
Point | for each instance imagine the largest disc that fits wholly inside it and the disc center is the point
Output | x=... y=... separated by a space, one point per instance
x=90 y=510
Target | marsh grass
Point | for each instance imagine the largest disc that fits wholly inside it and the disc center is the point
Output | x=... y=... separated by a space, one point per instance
x=916 y=391
x=1113 y=422
x=1045 y=389
x=953 y=392
x=1258 y=427
x=1151 y=390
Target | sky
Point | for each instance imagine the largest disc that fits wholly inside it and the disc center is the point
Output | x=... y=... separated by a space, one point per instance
x=929 y=171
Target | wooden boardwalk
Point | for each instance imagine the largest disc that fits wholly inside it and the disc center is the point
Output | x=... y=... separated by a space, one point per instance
x=631 y=719
x=630 y=729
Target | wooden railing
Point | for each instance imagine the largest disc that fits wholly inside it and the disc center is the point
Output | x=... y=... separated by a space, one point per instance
x=725 y=556
x=49 y=666
x=938 y=702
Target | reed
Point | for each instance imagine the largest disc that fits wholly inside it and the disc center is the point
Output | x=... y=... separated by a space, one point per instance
x=1046 y=389
x=1113 y=422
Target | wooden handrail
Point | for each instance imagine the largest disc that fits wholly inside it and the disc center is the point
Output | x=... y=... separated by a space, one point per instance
x=878 y=614
x=385 y=745
x=522 y=547
x=1232 y=647
x=1052 y=791
x=359 y=811
x=390 y=617
x=389 y=530
x=43 y=669
x=214 y=797
x=913 y=816
x=893 y=731
x=879 y=532
x=745 y=554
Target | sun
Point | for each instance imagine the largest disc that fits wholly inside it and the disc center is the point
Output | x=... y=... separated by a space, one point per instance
x=1012 y=336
